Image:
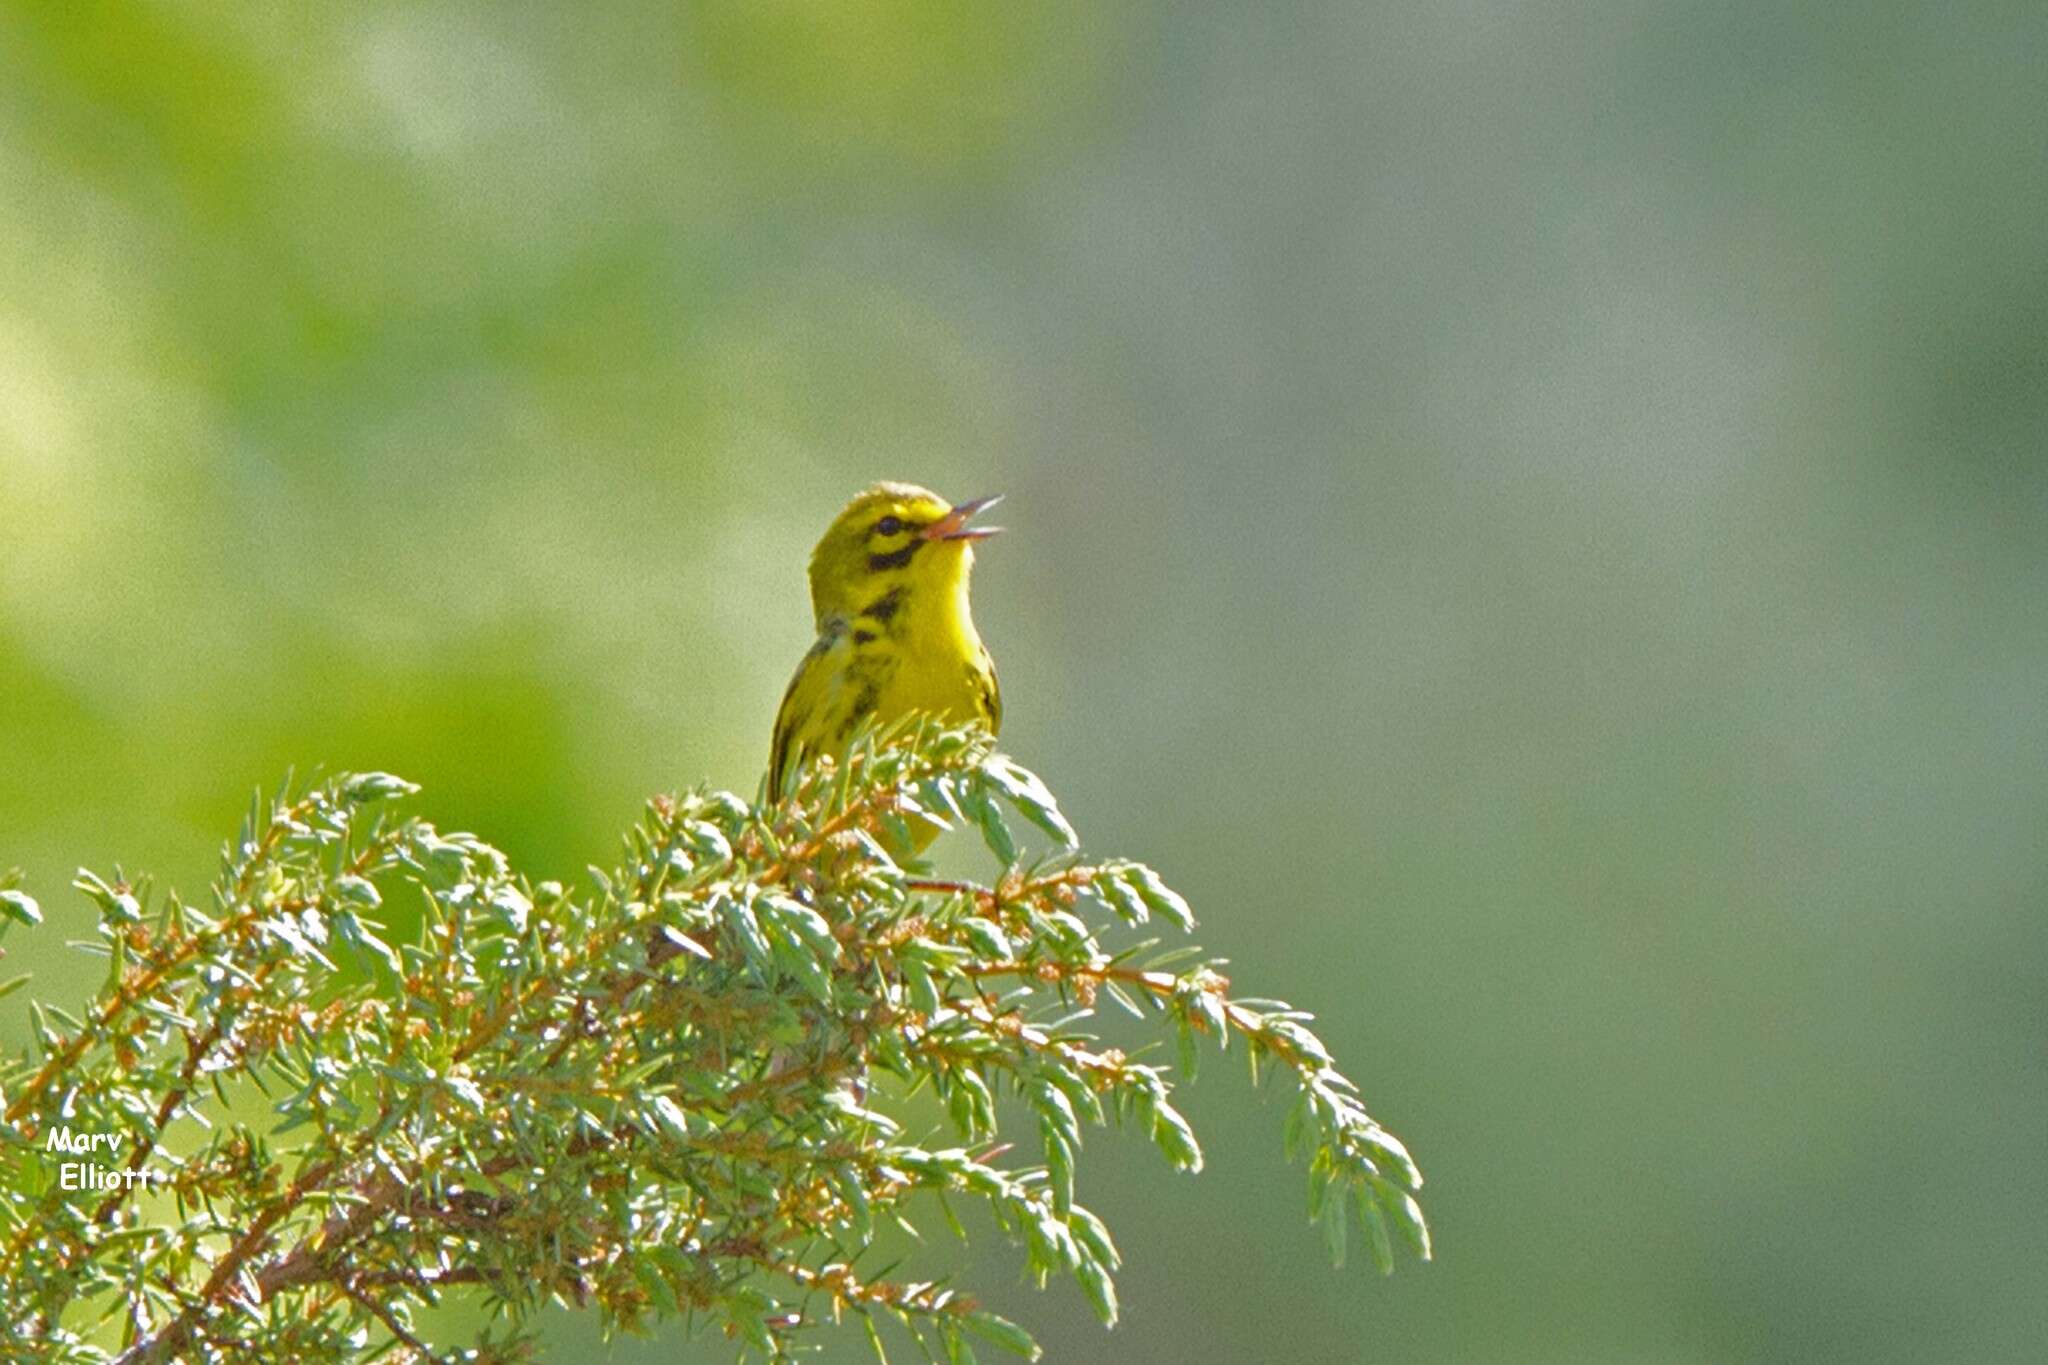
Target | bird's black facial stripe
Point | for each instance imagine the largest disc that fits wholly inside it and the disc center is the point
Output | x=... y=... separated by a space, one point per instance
x=895 y=559
x=884 y=607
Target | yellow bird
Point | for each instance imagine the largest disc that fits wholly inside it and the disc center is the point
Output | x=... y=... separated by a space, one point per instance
x=895 y=636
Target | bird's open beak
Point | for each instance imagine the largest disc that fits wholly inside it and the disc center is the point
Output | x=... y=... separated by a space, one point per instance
x=953 y=525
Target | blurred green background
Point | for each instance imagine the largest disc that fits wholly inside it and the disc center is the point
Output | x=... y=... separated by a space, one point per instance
x=1535 y=517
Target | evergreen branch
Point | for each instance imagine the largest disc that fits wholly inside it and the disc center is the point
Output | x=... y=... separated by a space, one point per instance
x=671 y=1094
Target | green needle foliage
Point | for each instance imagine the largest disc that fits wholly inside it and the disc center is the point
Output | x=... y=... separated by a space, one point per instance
x=663 y=1095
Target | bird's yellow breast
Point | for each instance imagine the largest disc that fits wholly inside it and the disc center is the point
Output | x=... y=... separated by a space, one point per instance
x=902 y=652
x=934 y=661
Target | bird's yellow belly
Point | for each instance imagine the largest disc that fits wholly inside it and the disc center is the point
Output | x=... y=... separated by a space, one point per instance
x=942 y=686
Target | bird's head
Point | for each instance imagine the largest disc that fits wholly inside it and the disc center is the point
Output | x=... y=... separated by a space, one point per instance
x=893 y=535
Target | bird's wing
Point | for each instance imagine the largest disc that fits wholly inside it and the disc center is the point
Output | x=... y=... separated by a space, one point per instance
x=991 y=693
x=806 y=704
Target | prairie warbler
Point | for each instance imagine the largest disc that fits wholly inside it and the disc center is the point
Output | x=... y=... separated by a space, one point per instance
x=889 y=591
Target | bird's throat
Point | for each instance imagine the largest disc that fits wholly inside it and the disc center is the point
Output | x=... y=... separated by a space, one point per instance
x=920 y=610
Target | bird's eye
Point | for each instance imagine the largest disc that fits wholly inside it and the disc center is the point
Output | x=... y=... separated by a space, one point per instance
x=888 y=526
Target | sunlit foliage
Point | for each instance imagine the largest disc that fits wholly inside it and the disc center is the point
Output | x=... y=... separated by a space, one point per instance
x=687 y=1089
